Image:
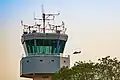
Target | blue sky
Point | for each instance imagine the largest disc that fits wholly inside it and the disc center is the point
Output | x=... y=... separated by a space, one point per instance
x=93 y=27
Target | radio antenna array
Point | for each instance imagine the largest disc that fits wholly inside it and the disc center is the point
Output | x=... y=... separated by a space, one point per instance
x=46 y=17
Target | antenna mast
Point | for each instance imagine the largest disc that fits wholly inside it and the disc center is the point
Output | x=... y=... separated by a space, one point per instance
x=43 y=16
x=46 y=17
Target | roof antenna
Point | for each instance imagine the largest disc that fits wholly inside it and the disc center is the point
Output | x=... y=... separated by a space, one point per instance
x=42 y=8
x=34 y=15
x=43 y=17
x=26 y=27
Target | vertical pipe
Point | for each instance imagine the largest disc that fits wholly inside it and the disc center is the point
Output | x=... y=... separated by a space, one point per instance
x=58 y=44
x=35 y=48
x=43 y=31
x=57 y=48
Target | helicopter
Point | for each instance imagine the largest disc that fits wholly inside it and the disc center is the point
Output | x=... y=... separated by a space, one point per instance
x=77 y=52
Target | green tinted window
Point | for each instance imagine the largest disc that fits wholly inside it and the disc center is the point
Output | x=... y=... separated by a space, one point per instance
x=45 y=47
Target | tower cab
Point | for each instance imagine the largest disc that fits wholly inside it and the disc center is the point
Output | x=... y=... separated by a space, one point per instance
x=36 y=44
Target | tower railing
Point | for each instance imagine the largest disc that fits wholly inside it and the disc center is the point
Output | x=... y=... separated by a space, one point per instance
x=45 y=55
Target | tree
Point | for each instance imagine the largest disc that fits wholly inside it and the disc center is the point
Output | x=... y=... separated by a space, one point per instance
x=105 y=69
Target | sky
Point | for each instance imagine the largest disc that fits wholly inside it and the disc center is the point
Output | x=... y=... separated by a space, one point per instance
x=93 y=26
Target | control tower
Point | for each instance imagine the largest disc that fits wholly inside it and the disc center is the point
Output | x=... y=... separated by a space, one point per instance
x=43 y=44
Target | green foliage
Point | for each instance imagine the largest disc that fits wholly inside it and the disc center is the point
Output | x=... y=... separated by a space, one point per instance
x=105 y=69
